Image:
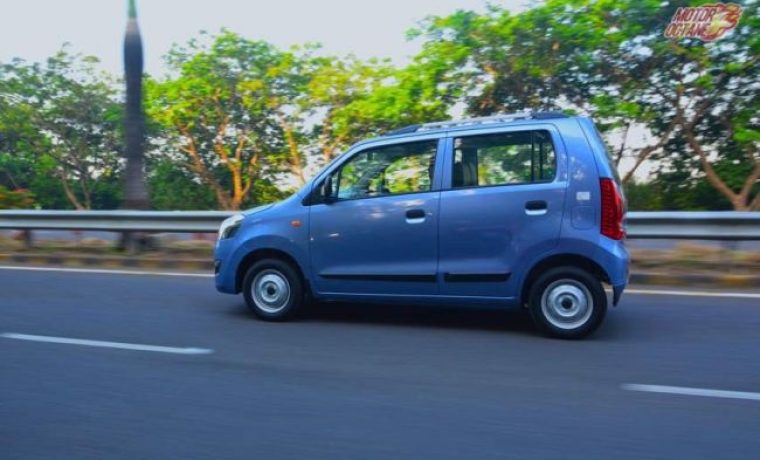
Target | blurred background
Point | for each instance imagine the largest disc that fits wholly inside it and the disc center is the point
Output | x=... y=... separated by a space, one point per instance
x=243 y=103
x=679 y=116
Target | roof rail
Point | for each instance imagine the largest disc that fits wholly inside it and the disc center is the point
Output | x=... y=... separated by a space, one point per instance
x=501 y=118
x=404 y=130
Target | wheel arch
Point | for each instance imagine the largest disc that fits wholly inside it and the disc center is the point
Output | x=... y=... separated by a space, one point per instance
x=266 y=253
x=558 y=260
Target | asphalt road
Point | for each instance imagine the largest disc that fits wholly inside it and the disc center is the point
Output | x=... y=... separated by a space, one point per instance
x=362 y=381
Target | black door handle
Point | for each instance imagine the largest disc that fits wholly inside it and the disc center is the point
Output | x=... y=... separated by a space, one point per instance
x=415 y=214
x=536 y=205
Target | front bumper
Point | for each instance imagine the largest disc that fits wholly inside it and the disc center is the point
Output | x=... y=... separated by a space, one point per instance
x=225 y=272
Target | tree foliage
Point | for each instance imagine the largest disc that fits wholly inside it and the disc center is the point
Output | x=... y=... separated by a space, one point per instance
x=210 y=114
x=246 y=115
x=238 y=122
x=696 y=101
x=61 y=120
x=15 y=199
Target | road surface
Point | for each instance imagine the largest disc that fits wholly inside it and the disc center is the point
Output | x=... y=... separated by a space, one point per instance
x=98 y=366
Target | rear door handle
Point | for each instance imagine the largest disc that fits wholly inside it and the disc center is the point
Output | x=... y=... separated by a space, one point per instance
x=415 y=216
x=536 y=207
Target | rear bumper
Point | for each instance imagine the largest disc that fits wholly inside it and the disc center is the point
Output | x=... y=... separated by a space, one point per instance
x=614 y=258
x=617 y=292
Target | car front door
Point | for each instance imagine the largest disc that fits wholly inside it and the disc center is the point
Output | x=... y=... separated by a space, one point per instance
x=376 y=232
x=502 y=205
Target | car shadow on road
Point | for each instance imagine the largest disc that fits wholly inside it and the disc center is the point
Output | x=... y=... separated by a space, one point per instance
x=427 y=316
x=508 y=320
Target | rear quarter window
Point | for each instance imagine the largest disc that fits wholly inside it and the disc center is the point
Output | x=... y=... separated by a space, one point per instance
x=607 y=155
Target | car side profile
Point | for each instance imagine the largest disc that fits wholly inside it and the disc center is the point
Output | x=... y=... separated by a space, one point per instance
x=510 y=210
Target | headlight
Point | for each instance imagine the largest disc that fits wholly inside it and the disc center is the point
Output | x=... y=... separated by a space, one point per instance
x=230 y=226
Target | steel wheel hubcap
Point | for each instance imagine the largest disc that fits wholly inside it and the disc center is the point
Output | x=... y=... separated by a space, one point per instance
x=567 y=304
x=271 y=291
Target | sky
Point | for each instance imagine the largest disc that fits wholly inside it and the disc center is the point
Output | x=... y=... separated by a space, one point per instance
x=35 y=29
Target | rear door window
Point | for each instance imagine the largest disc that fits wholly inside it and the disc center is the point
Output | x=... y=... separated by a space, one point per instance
x=519 y=157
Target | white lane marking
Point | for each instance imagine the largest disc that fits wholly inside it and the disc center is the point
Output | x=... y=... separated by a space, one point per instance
x=104 y=344
x=105 y=271
x=707 y=392
x=738 y=295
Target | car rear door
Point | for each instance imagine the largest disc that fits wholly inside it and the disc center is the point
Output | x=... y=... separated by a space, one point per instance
x=502 y=205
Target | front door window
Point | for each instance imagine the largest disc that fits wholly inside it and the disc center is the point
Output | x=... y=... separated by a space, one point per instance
x=388 y=170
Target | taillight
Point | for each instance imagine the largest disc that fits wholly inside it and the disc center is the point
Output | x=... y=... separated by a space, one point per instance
x=612 y=210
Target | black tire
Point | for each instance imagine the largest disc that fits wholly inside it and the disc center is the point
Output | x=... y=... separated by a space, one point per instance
x=270 y=274
x=556 y=302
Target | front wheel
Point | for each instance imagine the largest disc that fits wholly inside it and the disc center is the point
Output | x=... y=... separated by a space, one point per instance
x=567 y=302
x=273 y=290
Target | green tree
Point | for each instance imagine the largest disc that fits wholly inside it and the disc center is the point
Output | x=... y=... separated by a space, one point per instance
x=61 y=120
x=242 y=111
x=366 y=98
x=13 y=199
x=609 y=59
x=172 y=186
x=211 y=115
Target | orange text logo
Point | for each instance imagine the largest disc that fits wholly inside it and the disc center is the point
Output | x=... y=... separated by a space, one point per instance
x=707 y=22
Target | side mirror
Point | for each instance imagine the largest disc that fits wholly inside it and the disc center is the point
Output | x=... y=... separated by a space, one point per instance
x=328 y=191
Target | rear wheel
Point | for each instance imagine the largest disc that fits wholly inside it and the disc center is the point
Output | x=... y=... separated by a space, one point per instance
x=567 y=302
x=273 y=289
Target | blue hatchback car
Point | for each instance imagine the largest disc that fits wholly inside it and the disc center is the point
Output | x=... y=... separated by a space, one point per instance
x=510 y=210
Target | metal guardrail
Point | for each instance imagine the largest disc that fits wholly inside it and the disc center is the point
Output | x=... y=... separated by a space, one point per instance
x=723 y=226
x=717 y=225
x=115 y=221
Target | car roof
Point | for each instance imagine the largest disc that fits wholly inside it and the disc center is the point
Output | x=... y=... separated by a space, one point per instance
x=469 y=124
x=442 y=128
